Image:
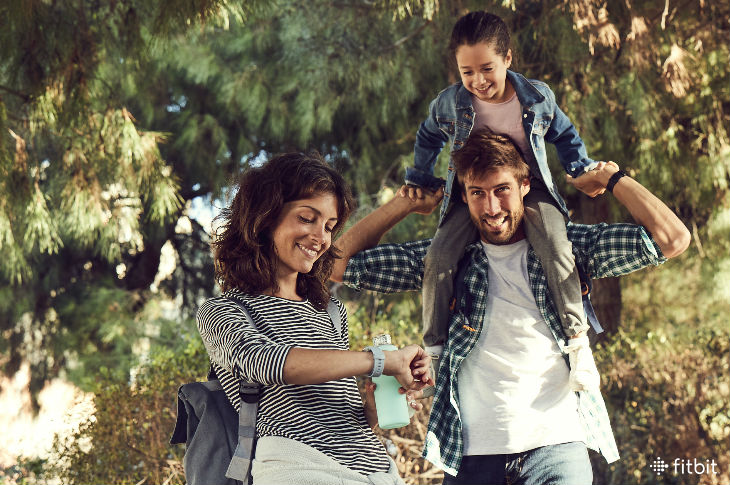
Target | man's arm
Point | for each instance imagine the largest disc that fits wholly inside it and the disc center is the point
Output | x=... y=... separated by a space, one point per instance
x=367 y=232
x=666 y=228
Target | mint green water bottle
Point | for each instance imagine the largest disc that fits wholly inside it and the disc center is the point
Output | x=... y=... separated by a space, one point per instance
x=392 y=406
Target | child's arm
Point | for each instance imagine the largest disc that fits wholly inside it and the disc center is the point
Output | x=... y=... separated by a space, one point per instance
x=430 y=140
x=571 y=150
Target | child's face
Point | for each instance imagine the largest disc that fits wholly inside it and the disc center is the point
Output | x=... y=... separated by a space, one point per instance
x=483 y=71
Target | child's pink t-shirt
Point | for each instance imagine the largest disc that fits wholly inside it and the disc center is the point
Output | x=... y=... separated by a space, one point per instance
x=503 y=118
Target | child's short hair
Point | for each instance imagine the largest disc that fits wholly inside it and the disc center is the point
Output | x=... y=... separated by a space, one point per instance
x=480 y=26
x=485 y=151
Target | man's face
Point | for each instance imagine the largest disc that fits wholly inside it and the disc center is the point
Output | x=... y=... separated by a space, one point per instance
x=495 y=205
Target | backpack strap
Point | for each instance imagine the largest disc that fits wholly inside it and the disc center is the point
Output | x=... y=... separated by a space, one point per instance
x=334 y=313
x=250 y=392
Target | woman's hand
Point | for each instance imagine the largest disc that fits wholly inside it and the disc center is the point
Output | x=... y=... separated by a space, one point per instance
x=368 y=402
x=411 y=366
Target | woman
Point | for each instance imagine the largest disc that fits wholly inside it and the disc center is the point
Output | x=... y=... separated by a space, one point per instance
x=274 y=252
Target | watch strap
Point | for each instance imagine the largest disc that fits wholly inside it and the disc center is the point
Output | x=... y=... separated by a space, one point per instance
x=614 y=179
x=378 y=360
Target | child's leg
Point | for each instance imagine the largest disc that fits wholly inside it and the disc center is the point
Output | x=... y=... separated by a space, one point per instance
x=545 y=230
x=453 y=235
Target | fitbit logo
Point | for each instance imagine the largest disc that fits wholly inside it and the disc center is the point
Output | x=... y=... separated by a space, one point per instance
x=682 y=466
x=659 y=466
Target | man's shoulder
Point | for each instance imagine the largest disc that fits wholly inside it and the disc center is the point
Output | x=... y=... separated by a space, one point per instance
x=579 y=230
x=582 y=234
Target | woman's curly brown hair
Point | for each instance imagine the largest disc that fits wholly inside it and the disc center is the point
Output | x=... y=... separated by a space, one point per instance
x=243 y=248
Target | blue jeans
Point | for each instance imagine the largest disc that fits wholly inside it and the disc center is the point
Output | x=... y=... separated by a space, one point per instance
x=564 y=464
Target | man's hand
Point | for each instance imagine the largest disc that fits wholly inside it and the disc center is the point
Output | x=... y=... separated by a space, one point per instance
x=366 y=233
x=424 y=201
x=371 y=413
x=593 y=182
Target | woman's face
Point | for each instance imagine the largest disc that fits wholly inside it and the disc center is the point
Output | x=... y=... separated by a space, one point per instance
x=304 y=233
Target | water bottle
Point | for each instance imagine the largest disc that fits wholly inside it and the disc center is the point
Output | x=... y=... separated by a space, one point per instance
x=392 y=406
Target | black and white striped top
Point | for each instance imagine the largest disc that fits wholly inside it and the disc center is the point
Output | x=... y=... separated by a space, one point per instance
x=328 y=417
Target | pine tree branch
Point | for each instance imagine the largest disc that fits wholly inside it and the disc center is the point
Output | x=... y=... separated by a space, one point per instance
x=17 y=118
x=23 y=96
x=406 y=38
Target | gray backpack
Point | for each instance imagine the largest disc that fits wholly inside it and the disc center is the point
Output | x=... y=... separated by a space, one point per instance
x=219 y=445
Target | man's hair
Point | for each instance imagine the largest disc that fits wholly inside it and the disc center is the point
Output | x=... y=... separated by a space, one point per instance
x=243 y=245
x=485 y=151
x=480 y=26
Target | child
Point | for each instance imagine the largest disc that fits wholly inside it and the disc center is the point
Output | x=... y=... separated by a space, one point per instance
x=491 y=96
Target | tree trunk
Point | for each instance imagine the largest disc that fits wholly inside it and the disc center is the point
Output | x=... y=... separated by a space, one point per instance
x=606 y=294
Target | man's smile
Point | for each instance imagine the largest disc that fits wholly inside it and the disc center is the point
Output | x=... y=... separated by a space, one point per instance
x=495 y=222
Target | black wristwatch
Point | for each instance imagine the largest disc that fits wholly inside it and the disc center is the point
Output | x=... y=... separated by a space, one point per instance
x=614 y=180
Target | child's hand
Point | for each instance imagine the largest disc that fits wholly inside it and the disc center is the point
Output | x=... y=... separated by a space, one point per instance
x=423 y=200
x=593 y=182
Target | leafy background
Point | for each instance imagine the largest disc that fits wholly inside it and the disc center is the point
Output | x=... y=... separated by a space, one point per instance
x=122 y=125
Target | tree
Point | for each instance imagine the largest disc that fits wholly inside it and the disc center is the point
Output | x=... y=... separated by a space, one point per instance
x=85 y=197
x=116 y=118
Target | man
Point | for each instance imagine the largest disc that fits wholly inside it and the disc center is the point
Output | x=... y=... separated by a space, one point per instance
x=503 y=410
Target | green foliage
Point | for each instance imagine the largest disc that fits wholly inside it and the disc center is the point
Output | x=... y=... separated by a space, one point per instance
x=666 y=374
x=114 y=117
x=668 y=397
x=126 y=441
x=24 y=472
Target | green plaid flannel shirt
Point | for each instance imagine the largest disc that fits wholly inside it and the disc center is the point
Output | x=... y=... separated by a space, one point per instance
x=602 y=249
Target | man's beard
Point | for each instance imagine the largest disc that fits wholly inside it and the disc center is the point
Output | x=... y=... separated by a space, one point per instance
x=511 y=224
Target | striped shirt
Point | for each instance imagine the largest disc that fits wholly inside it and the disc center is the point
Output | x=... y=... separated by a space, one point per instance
x=329 y=416
x=602 y=250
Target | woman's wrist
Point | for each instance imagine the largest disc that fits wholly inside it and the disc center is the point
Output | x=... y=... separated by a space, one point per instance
x=378 y=361
x=391 y=366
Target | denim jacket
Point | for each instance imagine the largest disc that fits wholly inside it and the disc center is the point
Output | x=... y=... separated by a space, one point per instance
x=451 y=117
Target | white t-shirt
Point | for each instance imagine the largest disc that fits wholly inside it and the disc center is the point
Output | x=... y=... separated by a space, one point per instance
x=513 y=386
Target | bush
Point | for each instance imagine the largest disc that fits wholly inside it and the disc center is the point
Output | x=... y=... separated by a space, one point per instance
x=667 y=399
x=665 y=375
x=127 y=440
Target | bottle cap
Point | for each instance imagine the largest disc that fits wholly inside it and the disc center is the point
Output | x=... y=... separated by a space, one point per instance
x=383 y=339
